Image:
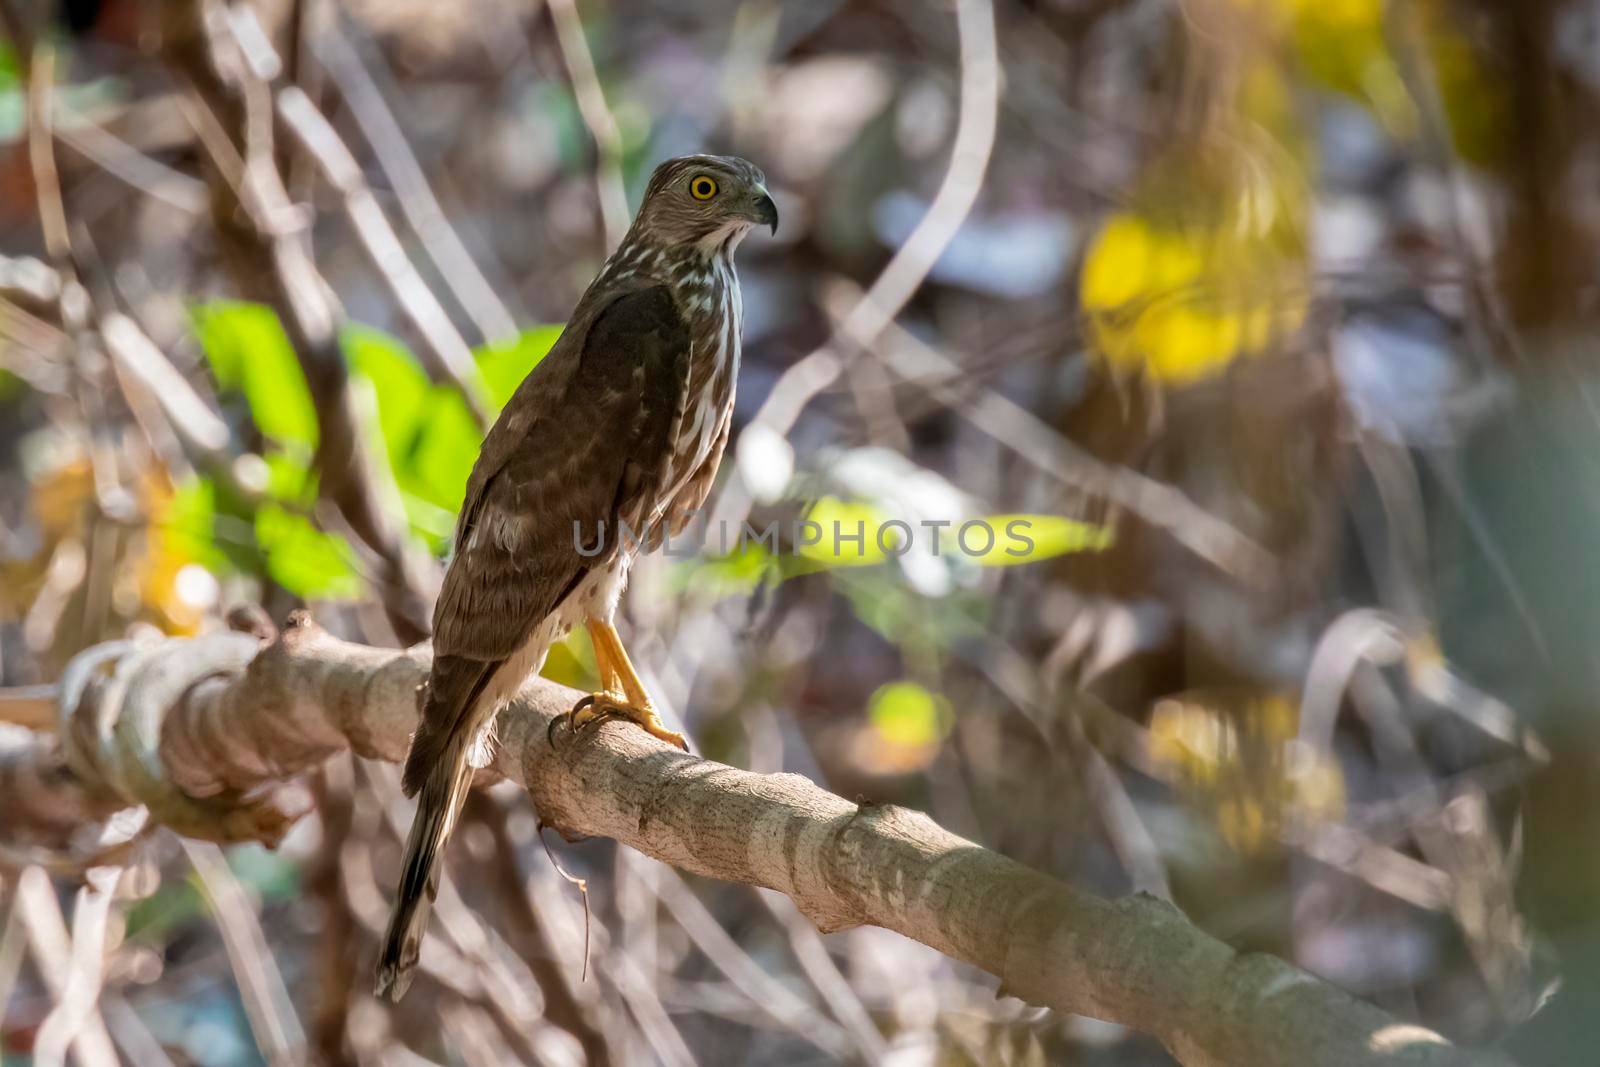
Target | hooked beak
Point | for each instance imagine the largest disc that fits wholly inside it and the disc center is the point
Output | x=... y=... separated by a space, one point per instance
x=766 y=212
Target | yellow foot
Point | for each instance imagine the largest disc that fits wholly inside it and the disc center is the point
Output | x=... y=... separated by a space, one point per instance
x=597 y=707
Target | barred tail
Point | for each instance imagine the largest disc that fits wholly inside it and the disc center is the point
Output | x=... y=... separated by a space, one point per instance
x=442 y=795
x=438 y=774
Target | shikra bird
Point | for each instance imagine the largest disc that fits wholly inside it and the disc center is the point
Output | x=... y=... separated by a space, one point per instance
x=607 y=447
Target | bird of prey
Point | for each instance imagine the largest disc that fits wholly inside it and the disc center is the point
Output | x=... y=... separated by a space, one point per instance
x=619 y=429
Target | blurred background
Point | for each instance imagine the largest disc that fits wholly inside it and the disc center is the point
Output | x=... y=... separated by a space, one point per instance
x=1277 y=316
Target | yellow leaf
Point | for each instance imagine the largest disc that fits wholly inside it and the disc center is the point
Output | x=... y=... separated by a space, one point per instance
x=1180 y=300
x=905 y=713
x=1008 y=540
x=1210 y=260
x=846 y=534
x=173 y=588
x=60 y=496
x=1243 y=762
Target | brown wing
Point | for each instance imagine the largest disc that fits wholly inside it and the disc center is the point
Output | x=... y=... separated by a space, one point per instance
x=585 y=436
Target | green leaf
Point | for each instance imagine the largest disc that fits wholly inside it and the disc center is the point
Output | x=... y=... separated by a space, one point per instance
x=249 y=353
x=289 y=478
x=10 y=71
x=176 y=902
x=427 y=520
x=907 y=714
x=907 y=619
x=189 y=525
x=855 y=534
x=13 y=96
x=1031 y=538
x=446 y=448
x=503 y=366
x=430 y=435
x=232 y=526
x=403 y=390
x=739 y=573
x=306 y=561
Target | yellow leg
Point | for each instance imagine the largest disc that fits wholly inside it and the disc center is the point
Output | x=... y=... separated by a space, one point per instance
x=622 y=694
x=605 y=664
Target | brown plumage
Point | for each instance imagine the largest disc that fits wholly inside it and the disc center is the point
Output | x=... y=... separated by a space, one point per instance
x=621 y=425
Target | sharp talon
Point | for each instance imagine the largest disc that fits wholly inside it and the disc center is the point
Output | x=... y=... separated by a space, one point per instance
x=596 y=718
x=572 y=718
x=589 y=710
x=661 y=733
x=596 y=708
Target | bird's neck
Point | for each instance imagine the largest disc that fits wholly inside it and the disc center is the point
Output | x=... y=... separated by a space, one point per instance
x=711 y=256
x=699 y=271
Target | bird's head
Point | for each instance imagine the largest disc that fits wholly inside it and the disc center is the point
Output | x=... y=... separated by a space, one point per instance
x=712 y=201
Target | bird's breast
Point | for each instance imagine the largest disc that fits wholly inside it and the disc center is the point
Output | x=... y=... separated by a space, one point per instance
x=716 y=316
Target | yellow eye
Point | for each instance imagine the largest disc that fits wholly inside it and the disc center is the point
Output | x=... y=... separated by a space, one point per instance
x=703 y=187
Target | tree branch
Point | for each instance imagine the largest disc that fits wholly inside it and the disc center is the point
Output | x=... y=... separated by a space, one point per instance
x=195 y=729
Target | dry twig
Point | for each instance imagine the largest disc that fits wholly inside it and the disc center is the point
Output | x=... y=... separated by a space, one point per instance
x=457 y=269
x=52 y=954
x=596 y=115
x=79 y=992
x=266 y=999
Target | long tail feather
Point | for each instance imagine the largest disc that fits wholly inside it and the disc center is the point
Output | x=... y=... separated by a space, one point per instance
x=438 y=773
x=438 y=804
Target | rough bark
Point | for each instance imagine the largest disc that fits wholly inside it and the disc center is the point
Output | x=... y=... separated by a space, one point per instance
x=200 y=730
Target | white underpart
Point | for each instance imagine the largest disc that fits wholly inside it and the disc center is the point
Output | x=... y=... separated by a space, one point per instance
x=732 y=232
x=701 y=434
